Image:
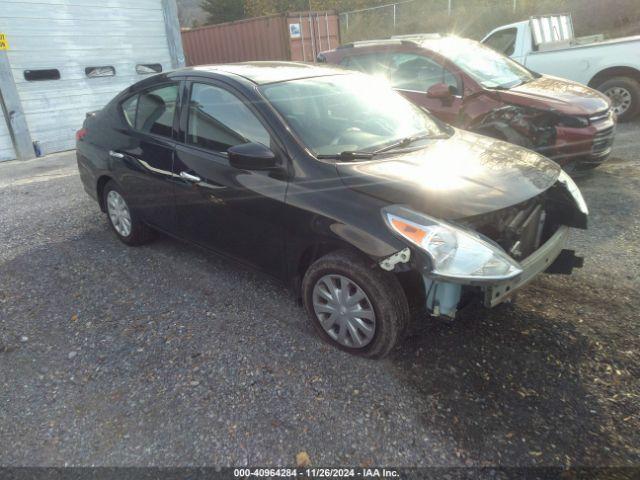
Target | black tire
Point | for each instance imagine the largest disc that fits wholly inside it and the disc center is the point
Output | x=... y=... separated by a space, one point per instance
x=140 y=232
x=587 y=166
x=629 y=84
x=382 y=289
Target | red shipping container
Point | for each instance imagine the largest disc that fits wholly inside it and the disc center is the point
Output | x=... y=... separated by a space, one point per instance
x=296 y=36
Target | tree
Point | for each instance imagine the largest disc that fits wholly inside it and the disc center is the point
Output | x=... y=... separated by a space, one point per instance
x=257 y=8
x=220 y=11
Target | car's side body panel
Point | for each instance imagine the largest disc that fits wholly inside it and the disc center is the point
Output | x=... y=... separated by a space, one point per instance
x=269 y=220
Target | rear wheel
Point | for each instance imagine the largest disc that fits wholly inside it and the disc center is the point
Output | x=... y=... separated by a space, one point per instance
x=624 y=93
x=355 y=307
x=123 y=220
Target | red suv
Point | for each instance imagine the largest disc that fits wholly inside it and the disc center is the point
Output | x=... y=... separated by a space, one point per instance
x=473 y=87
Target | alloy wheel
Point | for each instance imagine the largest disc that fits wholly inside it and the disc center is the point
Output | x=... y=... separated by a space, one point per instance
x=344 y=311
x=119 y=213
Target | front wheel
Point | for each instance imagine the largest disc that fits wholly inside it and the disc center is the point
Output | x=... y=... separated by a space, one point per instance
x=354 y=306
x=624 y=93
x=586 y=166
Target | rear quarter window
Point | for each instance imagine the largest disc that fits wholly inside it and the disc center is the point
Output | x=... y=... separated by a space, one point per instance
x=129 y=108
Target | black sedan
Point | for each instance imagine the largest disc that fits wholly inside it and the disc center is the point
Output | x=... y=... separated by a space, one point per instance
x=371 y=209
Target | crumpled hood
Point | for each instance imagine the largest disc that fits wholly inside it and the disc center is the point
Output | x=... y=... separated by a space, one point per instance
x=458 y=177
x=552 y=93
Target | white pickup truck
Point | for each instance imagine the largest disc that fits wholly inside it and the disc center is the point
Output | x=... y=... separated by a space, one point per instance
x=547 y=45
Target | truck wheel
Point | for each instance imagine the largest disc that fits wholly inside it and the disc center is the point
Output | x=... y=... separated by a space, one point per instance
x=353 y=306
x=624 y=93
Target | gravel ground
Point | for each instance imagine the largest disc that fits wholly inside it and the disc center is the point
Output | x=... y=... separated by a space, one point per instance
x=166 y=355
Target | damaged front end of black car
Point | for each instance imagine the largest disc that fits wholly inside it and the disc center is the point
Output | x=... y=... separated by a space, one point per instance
x=475 y=253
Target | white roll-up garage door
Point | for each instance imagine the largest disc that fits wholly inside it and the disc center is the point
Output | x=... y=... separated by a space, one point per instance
x=60 y=50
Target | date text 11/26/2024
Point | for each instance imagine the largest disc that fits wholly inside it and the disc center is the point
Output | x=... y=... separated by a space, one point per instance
x=316 y=472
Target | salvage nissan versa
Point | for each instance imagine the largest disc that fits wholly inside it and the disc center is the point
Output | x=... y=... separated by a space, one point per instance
x=334 y=183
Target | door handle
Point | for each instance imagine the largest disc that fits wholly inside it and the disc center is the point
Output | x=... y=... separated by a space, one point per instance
x=189 y=177
x=115 y=154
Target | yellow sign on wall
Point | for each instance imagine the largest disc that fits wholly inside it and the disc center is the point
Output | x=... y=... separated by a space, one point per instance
x=4 y=44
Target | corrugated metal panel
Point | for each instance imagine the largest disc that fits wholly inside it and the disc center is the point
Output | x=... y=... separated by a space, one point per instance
x=6 y=145
x=70 y=35
x=319 y=31
x=263 y=38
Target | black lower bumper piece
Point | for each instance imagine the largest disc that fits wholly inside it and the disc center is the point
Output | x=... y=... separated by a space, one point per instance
x=565 y=263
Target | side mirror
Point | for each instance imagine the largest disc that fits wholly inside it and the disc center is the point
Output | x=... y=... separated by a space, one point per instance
x=251 y=156
x=439 y=90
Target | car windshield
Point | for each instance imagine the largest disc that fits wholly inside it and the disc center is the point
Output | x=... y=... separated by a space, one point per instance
x=349 y=113
x=490 y=68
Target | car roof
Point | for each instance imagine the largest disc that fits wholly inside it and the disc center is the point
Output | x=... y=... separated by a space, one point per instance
x=410 y=39
x=435 y=43
x=262 y=73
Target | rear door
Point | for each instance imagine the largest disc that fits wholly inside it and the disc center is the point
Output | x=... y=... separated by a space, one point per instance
x=148 y=153
x=236 y=212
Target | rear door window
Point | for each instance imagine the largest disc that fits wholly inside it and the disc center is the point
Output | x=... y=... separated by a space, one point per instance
x=156 y=109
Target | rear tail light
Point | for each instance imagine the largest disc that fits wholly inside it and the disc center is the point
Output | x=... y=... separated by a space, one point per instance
x=80 y=134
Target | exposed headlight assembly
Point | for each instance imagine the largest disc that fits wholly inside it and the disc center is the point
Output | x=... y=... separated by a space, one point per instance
x=457 y=255
x=573 y=189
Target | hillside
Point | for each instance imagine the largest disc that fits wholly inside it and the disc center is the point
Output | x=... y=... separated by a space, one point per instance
x=189 y=11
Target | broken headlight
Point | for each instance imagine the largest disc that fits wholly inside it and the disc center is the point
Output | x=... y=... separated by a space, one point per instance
x=573 y=189
x=456 y=254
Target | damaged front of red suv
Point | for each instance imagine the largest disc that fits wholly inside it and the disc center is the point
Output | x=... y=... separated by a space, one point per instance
x=565 y=121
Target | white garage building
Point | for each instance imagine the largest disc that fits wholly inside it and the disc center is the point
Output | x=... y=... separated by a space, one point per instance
x=62 y=58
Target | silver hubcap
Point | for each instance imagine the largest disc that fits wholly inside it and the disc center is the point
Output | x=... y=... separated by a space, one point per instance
x=119 y=213
x=620 y=99
x=344 y=311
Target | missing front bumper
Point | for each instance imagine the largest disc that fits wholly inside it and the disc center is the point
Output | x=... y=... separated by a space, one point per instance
x=539 y=261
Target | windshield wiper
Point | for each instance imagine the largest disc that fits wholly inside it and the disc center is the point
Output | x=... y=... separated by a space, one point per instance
x=508 y=86
x=357 y=154
x=405 y=142
x=346 y=155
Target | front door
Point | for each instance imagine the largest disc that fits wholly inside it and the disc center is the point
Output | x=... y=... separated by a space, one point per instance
x=414 y=74
x=233 y=211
